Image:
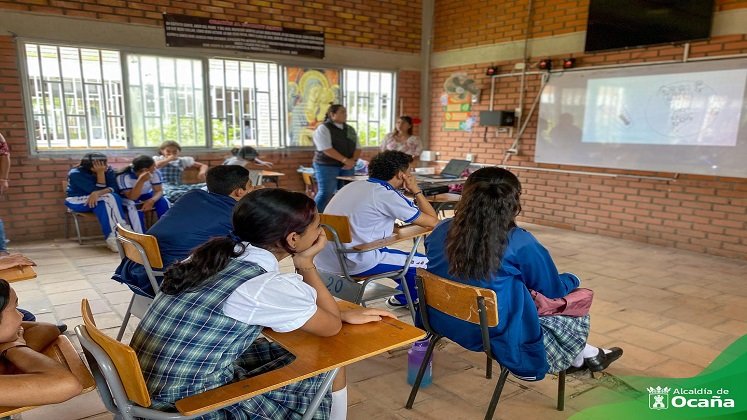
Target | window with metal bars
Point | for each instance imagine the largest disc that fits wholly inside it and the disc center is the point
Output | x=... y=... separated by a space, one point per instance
x=165 y=100
x=75 y=97
x=368 y=99
x=245 y=103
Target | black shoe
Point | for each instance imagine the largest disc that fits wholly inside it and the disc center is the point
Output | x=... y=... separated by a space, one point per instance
x=62 y=328
x=602 y=360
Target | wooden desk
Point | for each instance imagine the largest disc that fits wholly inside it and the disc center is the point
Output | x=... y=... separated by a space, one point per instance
x=272 y=176
x=314 y=355
x=399 y=235
x=19 y=273
x=62 y=351
x=440 y=201
x=419 y=179
x=348 y=179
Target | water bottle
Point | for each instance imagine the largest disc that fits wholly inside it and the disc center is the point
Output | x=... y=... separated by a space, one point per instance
x=415 y=357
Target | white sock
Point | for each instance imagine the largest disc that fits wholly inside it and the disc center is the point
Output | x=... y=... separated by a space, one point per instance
x=339 y=409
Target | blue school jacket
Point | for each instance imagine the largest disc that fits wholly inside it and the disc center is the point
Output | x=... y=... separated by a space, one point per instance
x=517 y=340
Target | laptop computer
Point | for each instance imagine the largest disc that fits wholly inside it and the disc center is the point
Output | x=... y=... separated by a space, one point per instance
x=453 y=170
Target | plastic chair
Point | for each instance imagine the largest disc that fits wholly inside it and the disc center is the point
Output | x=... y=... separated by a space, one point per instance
x=361 y=289
x=309 y=183
x=470 y=304
x=142 y=249
x=123 y=390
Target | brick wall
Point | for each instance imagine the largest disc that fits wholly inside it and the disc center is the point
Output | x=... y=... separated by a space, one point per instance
x=408 y=95
x=698 y=213
x=33 y=208
x=383 y=24
x=463 y=24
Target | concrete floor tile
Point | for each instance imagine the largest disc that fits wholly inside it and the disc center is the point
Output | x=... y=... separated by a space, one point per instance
x=696 y=354
x=61 y=298
x=646 y=337
x=637 y=358
x=696 y=334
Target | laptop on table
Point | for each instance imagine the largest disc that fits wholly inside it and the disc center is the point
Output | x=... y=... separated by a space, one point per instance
x=453 y=170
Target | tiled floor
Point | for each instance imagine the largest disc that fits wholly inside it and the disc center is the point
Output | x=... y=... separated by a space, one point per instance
x=672 y=311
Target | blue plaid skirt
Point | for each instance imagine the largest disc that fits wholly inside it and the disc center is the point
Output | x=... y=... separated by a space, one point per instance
x=564 y=338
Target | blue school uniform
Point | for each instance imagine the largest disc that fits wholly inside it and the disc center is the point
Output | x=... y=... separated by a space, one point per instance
x=108 y=210
x=194 y=219
x=125 y=182
x=517 y=341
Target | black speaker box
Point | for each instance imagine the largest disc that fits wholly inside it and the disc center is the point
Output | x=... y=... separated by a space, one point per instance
x=497 y=118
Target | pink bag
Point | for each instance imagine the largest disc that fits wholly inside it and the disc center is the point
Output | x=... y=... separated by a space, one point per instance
x=576 y=303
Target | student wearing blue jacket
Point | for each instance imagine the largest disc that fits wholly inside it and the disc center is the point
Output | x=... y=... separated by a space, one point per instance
x=483 y=246
x=91 y=187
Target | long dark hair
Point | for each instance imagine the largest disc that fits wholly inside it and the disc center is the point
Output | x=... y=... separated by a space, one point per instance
x=4 y=296
x=264 y=218
x=408 y=120
x=246 y=152
x=139 y=163
x=86 y=162
x=483 y=218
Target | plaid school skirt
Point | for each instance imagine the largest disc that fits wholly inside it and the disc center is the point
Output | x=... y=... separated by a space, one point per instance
x=173 y=192
x=564 y=338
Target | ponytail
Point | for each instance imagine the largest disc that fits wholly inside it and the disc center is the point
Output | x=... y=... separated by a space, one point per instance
x=206 y=261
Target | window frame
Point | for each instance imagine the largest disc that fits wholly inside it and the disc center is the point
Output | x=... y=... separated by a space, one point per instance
x=208 y=147
x=393 y=99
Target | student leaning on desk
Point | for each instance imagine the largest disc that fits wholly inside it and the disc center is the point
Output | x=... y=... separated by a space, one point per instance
x=217 y=302
x=27 y=376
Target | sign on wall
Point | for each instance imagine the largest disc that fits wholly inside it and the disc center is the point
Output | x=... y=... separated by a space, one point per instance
x=191 y=31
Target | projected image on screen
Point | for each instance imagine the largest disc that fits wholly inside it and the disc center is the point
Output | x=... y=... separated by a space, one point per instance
x=679 y=118
x=675 y=109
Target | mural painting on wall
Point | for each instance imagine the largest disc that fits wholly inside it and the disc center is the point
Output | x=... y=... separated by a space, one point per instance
x=310 y=92
x=459 y=93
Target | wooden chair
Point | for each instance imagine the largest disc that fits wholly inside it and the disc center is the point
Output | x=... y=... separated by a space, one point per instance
x=122 y=386
x=309 y=183
x=63 y=352
x=142 y=249
x=361 y=289
x=76 y=216
x=470 y=304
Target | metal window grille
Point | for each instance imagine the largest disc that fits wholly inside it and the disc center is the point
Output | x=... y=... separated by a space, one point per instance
x=76 y=97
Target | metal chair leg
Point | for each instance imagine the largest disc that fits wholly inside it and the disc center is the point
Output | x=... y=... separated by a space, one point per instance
x=497 y=393
x=77 y=228
x=561 y=390
x=489 y=368
x=320 y=394
x=67 y=224
x=421 y=371
x=126 y=319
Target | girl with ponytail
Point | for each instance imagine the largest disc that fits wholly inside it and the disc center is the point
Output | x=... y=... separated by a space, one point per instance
x=483 y=246
x=202 y=330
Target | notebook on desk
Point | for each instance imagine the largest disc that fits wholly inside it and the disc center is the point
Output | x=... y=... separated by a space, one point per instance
x=453 y=170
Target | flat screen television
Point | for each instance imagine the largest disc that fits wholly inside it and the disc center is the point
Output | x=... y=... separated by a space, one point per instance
x=616 y=24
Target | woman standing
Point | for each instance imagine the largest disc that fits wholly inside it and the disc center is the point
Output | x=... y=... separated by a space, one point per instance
x=402 y=140
x=337 y=150
x=483 y=246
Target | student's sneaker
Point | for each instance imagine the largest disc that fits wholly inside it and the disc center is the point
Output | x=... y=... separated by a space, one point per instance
x=393 y=303
x=111 y=243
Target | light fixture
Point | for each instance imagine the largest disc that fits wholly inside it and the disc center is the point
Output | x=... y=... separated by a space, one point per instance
x=569 y=63
x=545 y=64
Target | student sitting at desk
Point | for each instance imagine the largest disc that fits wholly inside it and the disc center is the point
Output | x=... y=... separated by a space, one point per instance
x=216 y=303
x=29 y=377
x=483 y=246
x=140 y=186
x=372 y=207
x=198 y=216
x=247 y=157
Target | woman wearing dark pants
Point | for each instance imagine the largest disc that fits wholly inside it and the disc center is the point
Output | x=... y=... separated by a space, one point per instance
x=337 y=150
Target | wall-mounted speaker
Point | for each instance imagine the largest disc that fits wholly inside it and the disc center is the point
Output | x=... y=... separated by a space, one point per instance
x=497 y=118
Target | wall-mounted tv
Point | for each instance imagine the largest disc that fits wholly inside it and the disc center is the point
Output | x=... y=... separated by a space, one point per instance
x=616 y=24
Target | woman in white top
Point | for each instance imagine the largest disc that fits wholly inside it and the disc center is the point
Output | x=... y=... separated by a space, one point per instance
x=402 y=140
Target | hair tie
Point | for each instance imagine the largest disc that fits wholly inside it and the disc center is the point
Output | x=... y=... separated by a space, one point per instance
x=234 y=237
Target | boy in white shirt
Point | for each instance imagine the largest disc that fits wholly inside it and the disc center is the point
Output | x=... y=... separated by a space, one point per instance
x=372 y=207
